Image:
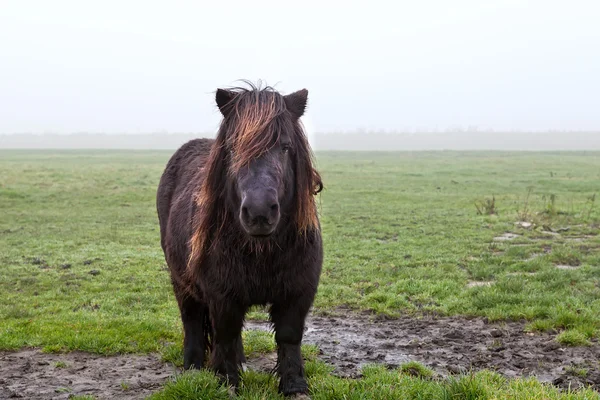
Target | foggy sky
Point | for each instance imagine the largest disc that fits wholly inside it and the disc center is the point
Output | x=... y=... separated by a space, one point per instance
x=133 y=66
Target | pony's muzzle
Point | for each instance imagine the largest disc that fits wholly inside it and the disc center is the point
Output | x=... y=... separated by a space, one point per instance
x=259 y=212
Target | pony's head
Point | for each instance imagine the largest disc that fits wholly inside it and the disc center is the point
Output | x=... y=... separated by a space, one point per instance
x=261 y=164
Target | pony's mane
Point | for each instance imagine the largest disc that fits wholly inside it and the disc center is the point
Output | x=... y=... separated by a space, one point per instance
x=254 y=120
x=252 y=126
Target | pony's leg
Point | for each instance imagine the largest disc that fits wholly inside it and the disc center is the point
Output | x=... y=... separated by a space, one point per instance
x=193 y=316
x=289 y=328
x=227 y=319
x=240 y=352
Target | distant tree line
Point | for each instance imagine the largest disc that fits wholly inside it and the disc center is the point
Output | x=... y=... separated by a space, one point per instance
x=354 y=141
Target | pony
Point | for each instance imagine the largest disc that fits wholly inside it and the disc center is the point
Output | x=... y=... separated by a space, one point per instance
x=239 y=227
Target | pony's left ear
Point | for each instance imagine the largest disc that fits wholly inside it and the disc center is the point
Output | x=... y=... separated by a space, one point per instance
x=296 y=102
x=223 y=98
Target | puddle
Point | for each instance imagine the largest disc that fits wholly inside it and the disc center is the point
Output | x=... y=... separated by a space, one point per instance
x=524 y=224
x=566 y=267
x=479 y=283
x=506 y=236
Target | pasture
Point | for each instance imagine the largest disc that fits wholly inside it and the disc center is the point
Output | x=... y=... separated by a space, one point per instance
x=455 y=275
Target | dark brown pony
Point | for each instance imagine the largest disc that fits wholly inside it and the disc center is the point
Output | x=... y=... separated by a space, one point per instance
x=239 y=227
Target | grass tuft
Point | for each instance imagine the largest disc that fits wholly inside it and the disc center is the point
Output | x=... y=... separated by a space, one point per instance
x=258 y=342
x=416 y=369
x=486 y=207
x=192 y=385
x=572 y=338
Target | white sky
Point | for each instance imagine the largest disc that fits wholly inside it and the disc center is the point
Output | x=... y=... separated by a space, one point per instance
x=139 y=66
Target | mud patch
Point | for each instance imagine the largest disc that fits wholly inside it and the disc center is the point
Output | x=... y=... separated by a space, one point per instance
x=31 y=374
x=545 y=250
x=521 y=273
x=447 y=345
x=579 y=239
x=550 y=234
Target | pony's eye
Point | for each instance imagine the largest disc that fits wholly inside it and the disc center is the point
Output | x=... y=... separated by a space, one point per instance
x=285 y=148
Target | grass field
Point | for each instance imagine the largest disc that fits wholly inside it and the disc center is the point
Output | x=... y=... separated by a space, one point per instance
x=81 y=266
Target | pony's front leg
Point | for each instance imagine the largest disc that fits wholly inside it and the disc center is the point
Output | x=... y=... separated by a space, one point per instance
x=227 y=319
x=193 y=314
x=289 y=329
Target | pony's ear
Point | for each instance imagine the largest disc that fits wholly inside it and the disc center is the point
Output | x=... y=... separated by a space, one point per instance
x=223 y=97
x=296 y=102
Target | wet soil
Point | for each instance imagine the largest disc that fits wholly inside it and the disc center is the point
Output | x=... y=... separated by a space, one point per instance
x=31 y=374
x=446 y=345
x=450 y=346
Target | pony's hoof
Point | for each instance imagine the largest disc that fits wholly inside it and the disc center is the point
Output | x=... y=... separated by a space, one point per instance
x=231 y=392
x=299 y=396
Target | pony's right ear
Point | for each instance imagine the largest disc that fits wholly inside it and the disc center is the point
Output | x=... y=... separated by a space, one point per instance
x=223 y=98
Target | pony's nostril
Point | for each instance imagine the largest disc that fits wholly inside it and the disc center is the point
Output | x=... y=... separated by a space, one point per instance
x=245 y=213
x=275 y=207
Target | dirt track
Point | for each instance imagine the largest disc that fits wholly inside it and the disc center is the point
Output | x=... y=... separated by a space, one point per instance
x=447 y=345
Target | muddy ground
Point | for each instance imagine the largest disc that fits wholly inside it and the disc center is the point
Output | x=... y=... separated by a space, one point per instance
x=31 y=374
x=450 y=346
x=447 y=345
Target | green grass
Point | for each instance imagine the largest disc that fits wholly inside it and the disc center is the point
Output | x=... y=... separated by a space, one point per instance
x=377 y=383
x=81 y=265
